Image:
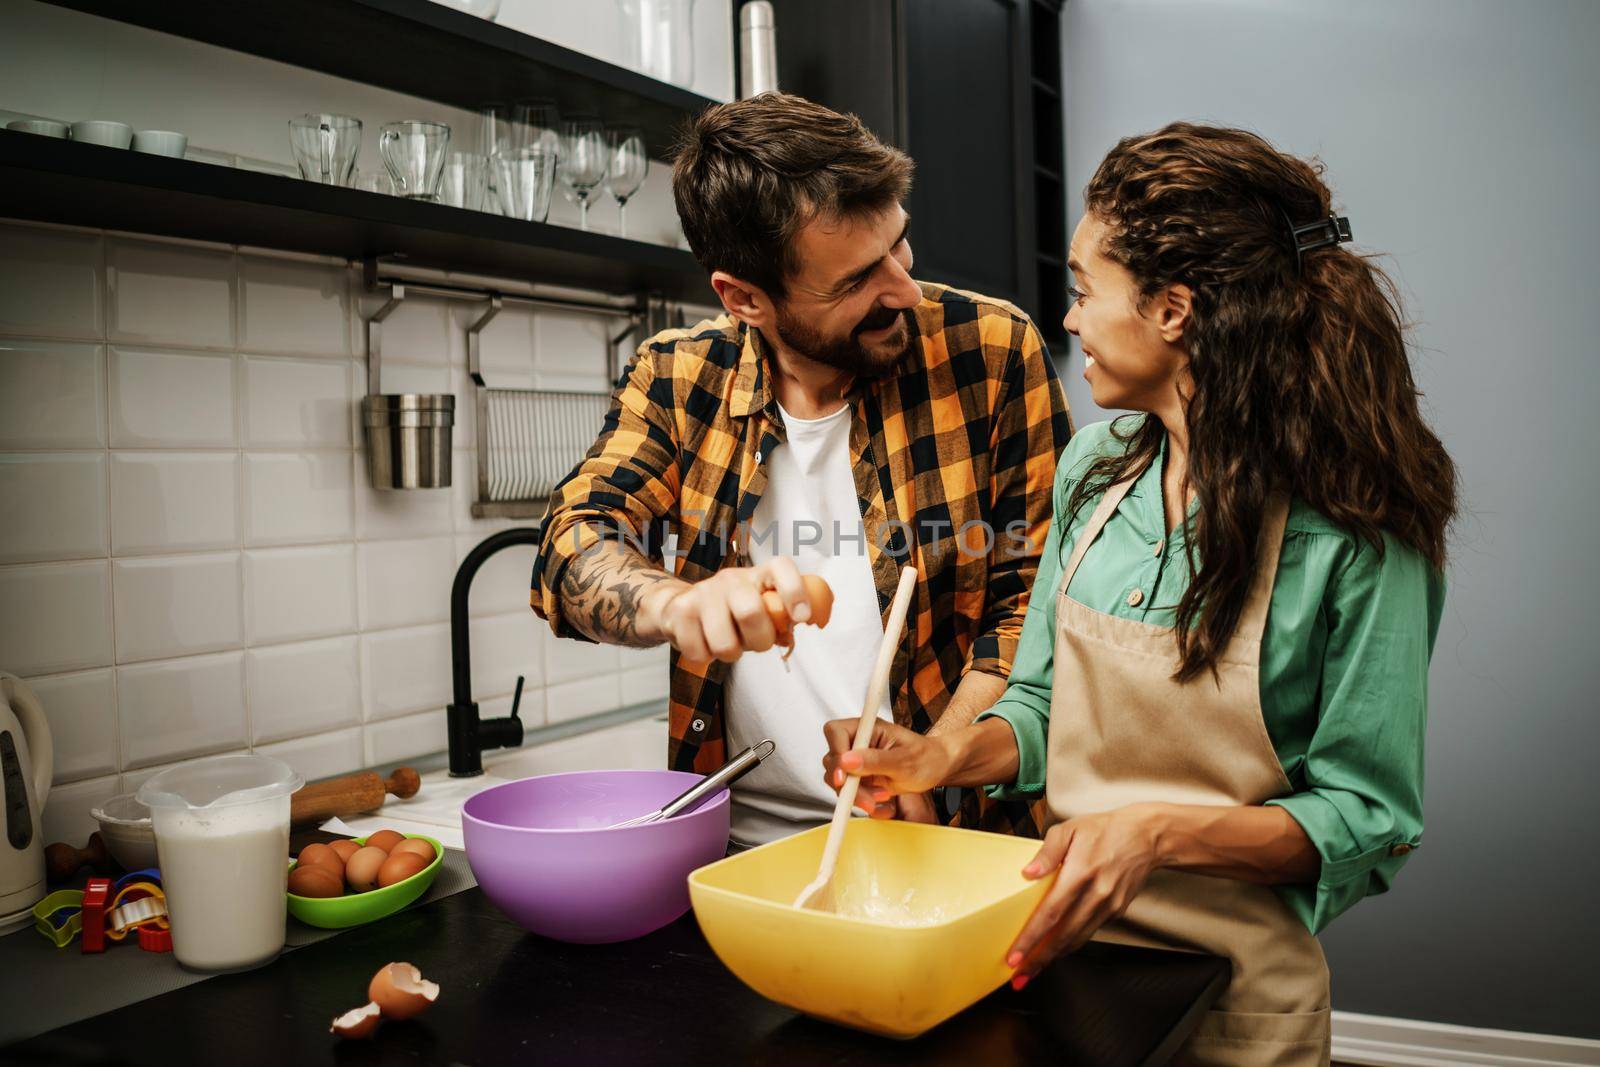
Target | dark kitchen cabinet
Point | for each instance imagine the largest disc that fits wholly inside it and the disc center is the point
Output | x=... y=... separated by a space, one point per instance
x=972 y=90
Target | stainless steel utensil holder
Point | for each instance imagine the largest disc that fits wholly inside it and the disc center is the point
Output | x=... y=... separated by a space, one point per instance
x=527 y=439
x=407 y=434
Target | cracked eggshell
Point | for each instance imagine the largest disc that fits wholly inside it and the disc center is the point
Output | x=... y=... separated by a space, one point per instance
x=357 y=1022
x=401 y=992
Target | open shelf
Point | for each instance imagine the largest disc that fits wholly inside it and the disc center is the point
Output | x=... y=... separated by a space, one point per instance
x=48 y=180
x=422 y=49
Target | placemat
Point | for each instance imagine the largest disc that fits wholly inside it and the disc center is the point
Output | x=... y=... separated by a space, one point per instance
x=43 y=987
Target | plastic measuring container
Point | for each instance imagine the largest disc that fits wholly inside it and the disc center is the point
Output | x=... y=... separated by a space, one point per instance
x=222 y=836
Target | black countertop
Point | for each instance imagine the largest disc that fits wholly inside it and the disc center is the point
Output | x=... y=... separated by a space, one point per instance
x=511 y=997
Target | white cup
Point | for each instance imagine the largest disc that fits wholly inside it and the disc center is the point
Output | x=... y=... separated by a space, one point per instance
x=42 y=127
x=109 y=134
x=160 y=143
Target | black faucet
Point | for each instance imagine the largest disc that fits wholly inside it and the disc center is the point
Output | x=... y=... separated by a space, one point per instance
x=469 y=735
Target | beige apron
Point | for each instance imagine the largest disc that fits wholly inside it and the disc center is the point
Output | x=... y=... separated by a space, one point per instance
x=1122 y=731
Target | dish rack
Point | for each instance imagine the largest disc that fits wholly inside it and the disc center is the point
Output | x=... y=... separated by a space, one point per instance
x=528 y=440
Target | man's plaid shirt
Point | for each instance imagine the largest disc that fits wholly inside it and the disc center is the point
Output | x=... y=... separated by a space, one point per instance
x=954 y=454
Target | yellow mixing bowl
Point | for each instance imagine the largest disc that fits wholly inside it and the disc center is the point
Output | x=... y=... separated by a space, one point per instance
x=925 y=916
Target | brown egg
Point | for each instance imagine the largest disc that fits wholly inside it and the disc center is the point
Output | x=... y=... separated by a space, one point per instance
x=400 y=991
x=315 y=880
x=361 y=873
x=416 y=845
x=322 y=856
x=400 y=866
x=345 y=849
x=384 y=839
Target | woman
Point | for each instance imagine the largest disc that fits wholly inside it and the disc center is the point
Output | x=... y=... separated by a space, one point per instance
x=1221 y=684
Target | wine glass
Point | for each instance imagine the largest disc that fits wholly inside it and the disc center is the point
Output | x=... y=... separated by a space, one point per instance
x=583 y=161
x=627 y=165
x=536 y=124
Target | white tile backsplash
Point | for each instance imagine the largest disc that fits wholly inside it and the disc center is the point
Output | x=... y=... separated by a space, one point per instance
x=405 y=738
x=505 y=646
x=57 y=616
x=181 y=707
x=405 y=583
x=574 y=700
x=165 y=399
x=296 y=403
x=82 y=709
x=170 y=294
x=173 y=501
x=297 y=497
x=396 y=513
x=292 y=594
x=406 y=670
x=293 y=306
x=321 y=755
x=66 y=810
x=300 y=689
x=52 y=394
x=420 y=330
x=567 y=659
x=54 y=506
x=52 y=283
x=176 y=605
x=211 y=571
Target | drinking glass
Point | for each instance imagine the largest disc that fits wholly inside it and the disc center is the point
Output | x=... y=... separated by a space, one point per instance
x=525 y=177
x=494 y=123
x=325 y=147
x=627 y=165
x=658 y=38
x=583 y=161
x=537 y=124
x=374 y=181
x=414 y=153
x=464 y=180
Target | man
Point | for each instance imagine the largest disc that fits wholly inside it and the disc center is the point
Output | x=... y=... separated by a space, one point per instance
x=840 y=419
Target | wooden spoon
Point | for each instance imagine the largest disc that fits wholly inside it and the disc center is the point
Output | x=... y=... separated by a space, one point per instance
x=819 y=894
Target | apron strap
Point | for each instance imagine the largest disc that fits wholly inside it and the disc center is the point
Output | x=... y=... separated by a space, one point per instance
x=1253 y=616
x=1108 y=504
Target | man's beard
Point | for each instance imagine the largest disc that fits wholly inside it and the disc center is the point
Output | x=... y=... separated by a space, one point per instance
x=848 y=353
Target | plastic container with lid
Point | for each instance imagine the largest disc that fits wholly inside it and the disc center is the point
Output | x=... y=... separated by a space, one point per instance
x=222 y=834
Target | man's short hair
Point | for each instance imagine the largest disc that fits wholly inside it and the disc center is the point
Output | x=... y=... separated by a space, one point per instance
x=748 y=176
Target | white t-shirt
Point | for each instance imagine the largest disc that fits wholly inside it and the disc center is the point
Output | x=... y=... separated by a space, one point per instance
x=809 y=513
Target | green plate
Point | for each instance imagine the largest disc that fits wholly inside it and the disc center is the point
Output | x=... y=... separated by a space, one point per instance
x=353 y=909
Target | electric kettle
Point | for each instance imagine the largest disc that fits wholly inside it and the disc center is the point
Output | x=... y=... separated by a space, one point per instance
x=26 y=763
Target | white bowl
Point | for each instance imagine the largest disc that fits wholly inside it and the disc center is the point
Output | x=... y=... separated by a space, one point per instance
x=126 y=829
x=109 y=134
x=42 y=127
x=160 y=143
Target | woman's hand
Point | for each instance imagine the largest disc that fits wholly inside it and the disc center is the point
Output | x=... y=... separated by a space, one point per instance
x=898 y=767
x=1104 y=861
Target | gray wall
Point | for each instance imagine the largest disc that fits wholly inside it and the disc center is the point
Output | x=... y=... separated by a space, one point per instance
x=1462 y=138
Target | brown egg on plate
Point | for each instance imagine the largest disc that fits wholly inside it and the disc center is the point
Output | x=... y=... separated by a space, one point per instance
x=415 y=845
x=361 y=873
x=400 y=866
x=320 y=855
x=384 y=839
x=345 y=849
x=315 y=880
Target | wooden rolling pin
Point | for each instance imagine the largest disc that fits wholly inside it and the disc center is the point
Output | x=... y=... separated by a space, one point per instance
x=350 y=795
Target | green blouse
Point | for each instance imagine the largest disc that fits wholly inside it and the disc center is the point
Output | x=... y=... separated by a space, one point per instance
x=1344 y=669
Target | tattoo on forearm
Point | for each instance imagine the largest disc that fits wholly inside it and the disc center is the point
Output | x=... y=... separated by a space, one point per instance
x=601 y=592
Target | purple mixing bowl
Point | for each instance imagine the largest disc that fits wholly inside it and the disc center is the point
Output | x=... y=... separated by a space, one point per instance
x=540 y=849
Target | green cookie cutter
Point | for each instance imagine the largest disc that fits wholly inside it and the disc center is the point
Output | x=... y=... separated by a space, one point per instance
x=59 y=916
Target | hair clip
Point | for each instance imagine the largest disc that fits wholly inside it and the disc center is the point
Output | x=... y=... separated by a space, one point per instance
x=1333 y=230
